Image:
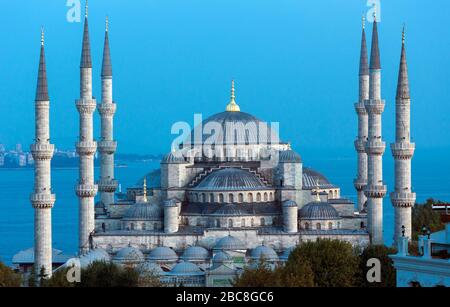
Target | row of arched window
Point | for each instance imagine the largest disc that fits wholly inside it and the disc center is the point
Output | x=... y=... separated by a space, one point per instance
x=320 y=226
x=232 y=197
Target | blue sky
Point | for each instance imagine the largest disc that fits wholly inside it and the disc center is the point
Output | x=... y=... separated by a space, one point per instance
x=295 y=62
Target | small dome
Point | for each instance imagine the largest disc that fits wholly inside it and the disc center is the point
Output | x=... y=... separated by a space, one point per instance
x=265 y=252
x=222 y=257
x=231 y=179
x=150 y=268
x=289 y=156
x=195 y=253
x=312 y=177
x=162 y=253
x=185 y=269
x=94 y=255
x=144 y=212
x=173 y=158
x=285 y=255
x=229 y=243
x=318 y=211
x=129 y=254
x=289 y=203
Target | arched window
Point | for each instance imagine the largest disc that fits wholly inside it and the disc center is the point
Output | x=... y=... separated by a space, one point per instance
x=318 y=226
x=143 y=226
x=362 y=225
x=243 y=223
x=307 y=226
x=195 y=197
x=203 y=198
x=241 y=198
x=330 y=225
x=252 y=222
x=231 y=198
x=250 y=197
x=258 y=197
x=211 y=198
x=263 y=222
x=338 y=225
x=132 y=226
x=220 y=198
x=230 y=223
x=265 y=197
x=218 y=223
x=271 y=196
x=155 y=226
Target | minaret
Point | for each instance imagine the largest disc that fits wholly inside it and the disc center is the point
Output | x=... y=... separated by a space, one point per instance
x=107 y=146
x=360 y=142
x=375 y=190
x=403 y=150
x=42 y=198
x=86 y=147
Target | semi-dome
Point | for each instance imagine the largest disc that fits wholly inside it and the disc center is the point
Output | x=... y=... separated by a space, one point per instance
x=195 y=253
x=231 y=179
x=129 y=255
x=289 y=156
x=184 y=268
x=318 y=211
x=173 y=158
x=264 y=252
x=231 y=128
x=144 y=212
x=229 y=243
x=221 y=258
x=289 y=203
x=162 y=253
x=312 y=178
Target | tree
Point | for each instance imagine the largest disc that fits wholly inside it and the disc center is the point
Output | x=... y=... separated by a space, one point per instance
x=259 y=276
x=388 y=273
x=423 y=215
x=334 y=263
x=9 y=278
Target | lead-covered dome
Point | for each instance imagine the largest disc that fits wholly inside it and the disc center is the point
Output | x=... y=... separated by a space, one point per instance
x=144 y=212
x=162 y=253
x=229 y=243
x=231 y=179
x=289 y=156
x=263 y=252
x=185 y=269
x=318 y=211
x=129 y=255
x=195 y=253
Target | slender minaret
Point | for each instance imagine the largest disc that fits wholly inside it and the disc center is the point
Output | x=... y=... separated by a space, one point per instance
x=107 y=146
x=42 y=198
x=86 y=147
x=361 y=178
x=375 y=190
x=403 y=150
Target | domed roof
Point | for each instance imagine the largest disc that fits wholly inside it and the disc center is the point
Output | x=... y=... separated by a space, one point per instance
x=185 y=269
x=285 y=255
x=162 y=253
x=312 y=177
x=144 y=212
x=265 y=252
x=235 y=128
x=289 y=203
x=222 y=257
x=229 y=243
x=94 y=255
x=289 y=156
x=231 y=179
x=149 y=268
x=173 y=158
x=129 y=254
x=318 y=211
x=195 y=253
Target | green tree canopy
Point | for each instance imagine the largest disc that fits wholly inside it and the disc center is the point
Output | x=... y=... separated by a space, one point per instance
x=9 y=278
x=388 y=273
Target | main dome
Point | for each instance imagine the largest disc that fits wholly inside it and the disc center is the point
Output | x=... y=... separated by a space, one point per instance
x=231 y=179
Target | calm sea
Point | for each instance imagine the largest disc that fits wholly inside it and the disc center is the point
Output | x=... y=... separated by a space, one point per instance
x=431 y=178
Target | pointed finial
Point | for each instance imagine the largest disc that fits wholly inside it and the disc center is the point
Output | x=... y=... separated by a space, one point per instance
x=232 y=106
x=317 y=191
x=106 y=23
x=363 y=22
x=42 y=36
x=86 y=12
x=404 y=34
x=144 y=187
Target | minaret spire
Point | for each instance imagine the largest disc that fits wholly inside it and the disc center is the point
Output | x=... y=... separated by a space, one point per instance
x=86 y=61
x=42 y=198
x=361 y=178
x=403 y=198
x=232 y=106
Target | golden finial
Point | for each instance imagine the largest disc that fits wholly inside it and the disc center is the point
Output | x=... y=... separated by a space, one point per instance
x=106 y=23
x=86 y=12
x=232 y=106
x=363 y=22
x=145 y=189
x=404 y=34
x=42 y=36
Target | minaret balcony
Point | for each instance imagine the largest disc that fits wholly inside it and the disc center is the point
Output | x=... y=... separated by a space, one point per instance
x=375 y=147
x=86 y=148
x=359 y=184
x=86 y=190
x=360 y=108
x=107 y=147
x=107 y=185
x=42 y=201
x=403 y=199
x=375 y=191
x=374 y=106
x=86 y=106
x=107 y=109
x=42 y=151
x=403 y=150
x=360 y=146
